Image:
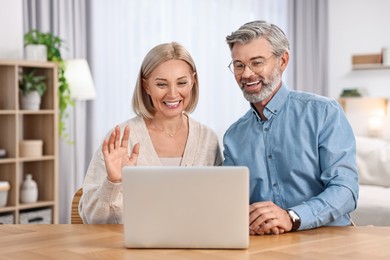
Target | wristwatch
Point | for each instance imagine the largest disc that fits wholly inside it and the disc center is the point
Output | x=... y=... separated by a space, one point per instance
x=295 y=219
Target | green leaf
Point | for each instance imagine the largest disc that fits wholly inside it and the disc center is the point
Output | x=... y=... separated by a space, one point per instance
x=31 y=82
x=54 y=44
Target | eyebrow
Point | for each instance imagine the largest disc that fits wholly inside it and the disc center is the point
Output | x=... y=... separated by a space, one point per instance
x=254 y=58
x=183 y=77
x=258 y=57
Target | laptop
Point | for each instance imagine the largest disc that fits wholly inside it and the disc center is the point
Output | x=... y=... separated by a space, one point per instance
x=186 y=207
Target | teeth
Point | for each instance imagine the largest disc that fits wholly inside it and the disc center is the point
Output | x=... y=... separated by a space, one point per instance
x=171 y=103
x=252 y=83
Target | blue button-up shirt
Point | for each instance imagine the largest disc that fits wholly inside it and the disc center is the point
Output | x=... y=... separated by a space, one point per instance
x=303 y=157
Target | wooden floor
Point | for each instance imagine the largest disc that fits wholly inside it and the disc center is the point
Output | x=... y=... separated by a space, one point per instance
x=106 y=242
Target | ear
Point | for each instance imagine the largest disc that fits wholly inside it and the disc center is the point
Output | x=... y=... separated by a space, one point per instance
x=284 y=60
x=194 y=78
x=145 y=86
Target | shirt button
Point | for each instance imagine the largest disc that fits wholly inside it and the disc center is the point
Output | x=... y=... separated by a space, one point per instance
x=275 y=185
x=269 y=156
x=266 y=129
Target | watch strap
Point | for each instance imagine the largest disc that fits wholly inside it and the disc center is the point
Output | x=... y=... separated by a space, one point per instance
x=295 y=219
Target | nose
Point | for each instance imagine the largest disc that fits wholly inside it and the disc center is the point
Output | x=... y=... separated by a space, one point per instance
x=172 y=90
x=247 y=72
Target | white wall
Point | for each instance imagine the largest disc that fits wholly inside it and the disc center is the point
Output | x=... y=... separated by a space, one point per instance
x=358 y=27
x=11 y=29
x=355 y=27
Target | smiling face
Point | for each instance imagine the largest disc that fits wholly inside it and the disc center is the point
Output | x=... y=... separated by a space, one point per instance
x=169 y=87
x=259 y=86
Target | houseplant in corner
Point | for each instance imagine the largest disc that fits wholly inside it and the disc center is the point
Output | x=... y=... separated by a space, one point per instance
x=32 y=87
x=54 y=45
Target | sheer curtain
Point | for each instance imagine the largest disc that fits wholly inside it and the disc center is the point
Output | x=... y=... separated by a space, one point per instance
x=68 y=20
x=308 y=25
x=124 y=31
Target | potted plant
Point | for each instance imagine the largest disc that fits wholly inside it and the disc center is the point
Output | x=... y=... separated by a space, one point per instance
x=32 y=87
x=36 y=52
x=53 y=45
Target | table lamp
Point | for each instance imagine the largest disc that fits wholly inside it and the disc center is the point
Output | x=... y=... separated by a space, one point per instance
x=79 y=78
x=81 y=86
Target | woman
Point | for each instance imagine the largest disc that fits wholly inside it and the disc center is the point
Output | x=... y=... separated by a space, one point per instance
x=162 y=133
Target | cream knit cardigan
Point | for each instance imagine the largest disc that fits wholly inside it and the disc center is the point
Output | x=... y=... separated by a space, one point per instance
x=101 y=202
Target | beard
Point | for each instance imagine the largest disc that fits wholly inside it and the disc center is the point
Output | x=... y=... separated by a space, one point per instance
x=267 y=88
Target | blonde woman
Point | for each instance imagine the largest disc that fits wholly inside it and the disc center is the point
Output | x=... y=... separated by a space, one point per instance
x=162 y=133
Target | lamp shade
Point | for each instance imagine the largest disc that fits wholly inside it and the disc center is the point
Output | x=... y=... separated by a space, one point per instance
x=79 y=77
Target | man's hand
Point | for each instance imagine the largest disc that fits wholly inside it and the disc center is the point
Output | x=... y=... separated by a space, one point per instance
x=268 y=218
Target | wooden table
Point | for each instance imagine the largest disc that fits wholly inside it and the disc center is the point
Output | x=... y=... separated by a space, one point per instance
x=106 y=242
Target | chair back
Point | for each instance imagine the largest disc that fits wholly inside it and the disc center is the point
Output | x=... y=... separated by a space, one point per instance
x=75 y=216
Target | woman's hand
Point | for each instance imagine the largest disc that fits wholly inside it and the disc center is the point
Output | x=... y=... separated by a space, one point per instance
x=115 y=154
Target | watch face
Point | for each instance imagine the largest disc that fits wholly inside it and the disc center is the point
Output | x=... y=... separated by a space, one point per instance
x=293 y=215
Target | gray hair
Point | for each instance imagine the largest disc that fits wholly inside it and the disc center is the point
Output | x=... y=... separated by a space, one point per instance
x=260 y=29
x=142 y=104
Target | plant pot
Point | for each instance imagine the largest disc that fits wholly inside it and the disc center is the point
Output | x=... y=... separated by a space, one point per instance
x=37 y=52
x=30 y=100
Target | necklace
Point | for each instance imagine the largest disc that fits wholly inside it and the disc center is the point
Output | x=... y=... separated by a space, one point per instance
x=167 y=133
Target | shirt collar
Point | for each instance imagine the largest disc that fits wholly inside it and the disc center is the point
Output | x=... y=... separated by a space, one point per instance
x=278 y=100
x=275 y=104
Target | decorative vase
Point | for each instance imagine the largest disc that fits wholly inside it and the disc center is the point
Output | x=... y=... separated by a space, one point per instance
x=37 y=52
x=4 y=188
x=29 y=190
x=30 y=100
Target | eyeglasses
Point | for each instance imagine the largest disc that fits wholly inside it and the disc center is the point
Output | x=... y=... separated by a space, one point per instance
x=255 y=65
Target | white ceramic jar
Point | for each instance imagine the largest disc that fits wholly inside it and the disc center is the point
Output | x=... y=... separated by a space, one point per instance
x=29 y=190
x=4 y=187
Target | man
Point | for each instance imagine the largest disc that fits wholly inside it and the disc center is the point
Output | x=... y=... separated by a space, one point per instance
x=299 y=147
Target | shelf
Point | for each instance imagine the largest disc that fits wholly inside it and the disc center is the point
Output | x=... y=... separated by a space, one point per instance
x=370 y=66
x=7 y=112
x=28 y=63
x=38 y=204
x=34 y=159
x=7 y=209
x=17 y=125
x=7 y=160
x=40 y=112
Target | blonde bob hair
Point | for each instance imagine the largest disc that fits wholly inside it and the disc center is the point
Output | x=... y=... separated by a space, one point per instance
x=142 y=103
